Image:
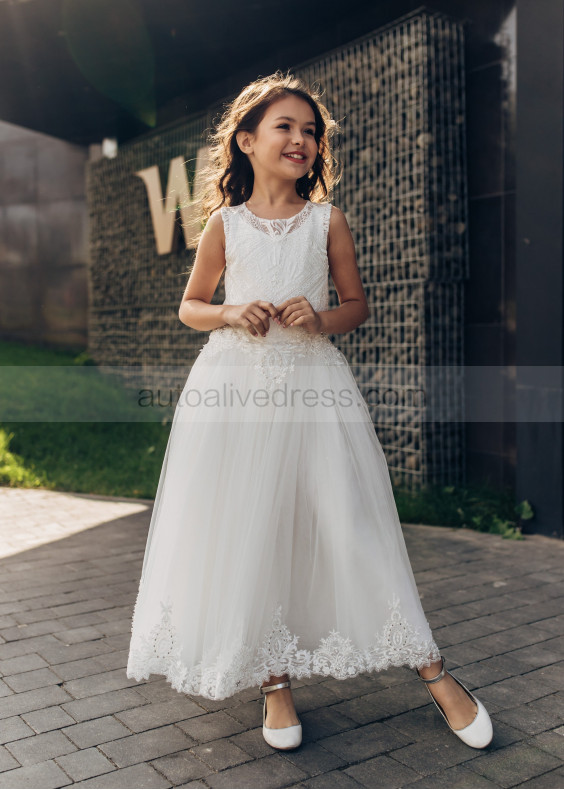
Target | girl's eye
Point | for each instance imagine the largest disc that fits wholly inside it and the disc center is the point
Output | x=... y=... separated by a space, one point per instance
x=287 y=126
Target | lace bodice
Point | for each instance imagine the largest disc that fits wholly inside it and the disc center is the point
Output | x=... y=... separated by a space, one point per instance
x=275 y=259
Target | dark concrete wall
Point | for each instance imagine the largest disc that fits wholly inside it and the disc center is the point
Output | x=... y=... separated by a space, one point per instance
x=540 y=254
x=43 y=239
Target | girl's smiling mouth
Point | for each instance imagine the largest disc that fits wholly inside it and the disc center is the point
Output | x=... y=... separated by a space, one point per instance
x=296 y=156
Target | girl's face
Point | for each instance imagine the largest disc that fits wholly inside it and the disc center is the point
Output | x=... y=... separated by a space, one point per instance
x=283 y=144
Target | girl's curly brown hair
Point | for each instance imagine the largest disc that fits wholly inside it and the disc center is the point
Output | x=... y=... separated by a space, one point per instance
x=228 y=178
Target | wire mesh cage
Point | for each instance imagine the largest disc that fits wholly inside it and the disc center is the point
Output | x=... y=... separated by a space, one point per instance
x=399 y=96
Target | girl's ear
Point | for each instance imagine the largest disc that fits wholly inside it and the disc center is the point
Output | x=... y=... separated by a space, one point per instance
x=244 y=141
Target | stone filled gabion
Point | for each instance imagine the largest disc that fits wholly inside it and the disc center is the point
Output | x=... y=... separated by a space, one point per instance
x=398 y=94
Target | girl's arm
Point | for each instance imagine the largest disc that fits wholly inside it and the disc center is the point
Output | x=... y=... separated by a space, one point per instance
x=353 y=307
x=195 y=309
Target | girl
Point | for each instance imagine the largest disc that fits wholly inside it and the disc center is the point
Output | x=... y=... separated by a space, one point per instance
x=275 y=549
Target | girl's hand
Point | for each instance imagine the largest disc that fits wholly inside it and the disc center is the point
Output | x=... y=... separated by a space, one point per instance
x=254 y=316
x=297 y=311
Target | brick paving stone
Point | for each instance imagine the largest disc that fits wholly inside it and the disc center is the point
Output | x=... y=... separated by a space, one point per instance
x=13 y=729
x=553 y=624
x=399 y=698
x=92 y=733
x=248 y=713
x=490 y=670
x=363 y=683
x=432 y=755
x=463 y=632
x=221 y=754
x=551 y=742
x=496 y=607
x=160 y=713
x=40 y=748
x=160 y=691
x=364 y=742
x=26 y=631
x=459 y=776
x=552 y=779
x=210 y=726
x=115 y=627
x=46 y=719
x=335 y=779
x=466 y=653
x=7 y=760
x=85 y=764
x=103 y=704
x=382 y=771
x=145 y=746
x=56 y=652
x=27 y=701
x=72 y=636
x=111 y=680
x=418 y=724
x=514 y=764
x=451 y=615
x=37 y=678
x=82 y=668
x=312 y=697
x=322 y=723
x=135 y=777
x=36 y=644
x=181 y=767
x=5 y=690
x=81 y=620
x=12 y=666
x=313 y=759
x=537 y=716
x=252 y=742
x=41 y=775
x=507 y=692
x=363 y=710
x=271 y=771
x=117 y=659
x=535 y=656
x=552 y=676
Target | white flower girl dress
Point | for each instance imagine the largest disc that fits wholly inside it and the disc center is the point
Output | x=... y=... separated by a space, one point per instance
x=274 y=544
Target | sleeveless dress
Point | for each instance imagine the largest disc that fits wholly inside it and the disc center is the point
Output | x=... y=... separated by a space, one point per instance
x=274 y=544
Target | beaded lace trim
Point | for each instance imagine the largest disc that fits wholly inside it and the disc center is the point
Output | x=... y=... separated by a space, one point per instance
x=277 y=227
x=159 y=651
x=275 y=360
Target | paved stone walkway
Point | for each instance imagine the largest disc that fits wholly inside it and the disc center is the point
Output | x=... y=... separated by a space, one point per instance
x=69 y=717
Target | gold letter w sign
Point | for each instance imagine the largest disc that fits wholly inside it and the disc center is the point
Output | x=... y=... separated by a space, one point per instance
x=163 y=211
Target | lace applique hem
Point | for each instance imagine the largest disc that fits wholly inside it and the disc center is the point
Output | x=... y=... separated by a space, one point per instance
x=399 y=643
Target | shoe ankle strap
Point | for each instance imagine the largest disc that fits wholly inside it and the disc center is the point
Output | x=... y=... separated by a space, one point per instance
x=437 y=677
x=285 y=684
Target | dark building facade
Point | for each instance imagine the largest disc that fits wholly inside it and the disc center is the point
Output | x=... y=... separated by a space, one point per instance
x=508 y=291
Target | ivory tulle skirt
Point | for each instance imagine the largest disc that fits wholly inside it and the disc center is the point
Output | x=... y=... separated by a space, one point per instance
x=274 y=543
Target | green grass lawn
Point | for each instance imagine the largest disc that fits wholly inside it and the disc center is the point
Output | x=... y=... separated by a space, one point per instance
x=125 y=458
x=115 y=458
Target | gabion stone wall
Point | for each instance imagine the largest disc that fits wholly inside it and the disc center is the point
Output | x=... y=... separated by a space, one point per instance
x=399 y=96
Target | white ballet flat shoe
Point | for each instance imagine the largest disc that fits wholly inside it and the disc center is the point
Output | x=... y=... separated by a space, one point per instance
x=280 y=737
x=479 y=733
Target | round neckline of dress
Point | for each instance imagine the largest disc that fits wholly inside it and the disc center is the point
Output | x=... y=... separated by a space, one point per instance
x=280 y=219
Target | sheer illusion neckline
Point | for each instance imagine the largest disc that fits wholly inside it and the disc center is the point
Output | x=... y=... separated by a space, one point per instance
x=277 y=219
x=277 y=228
